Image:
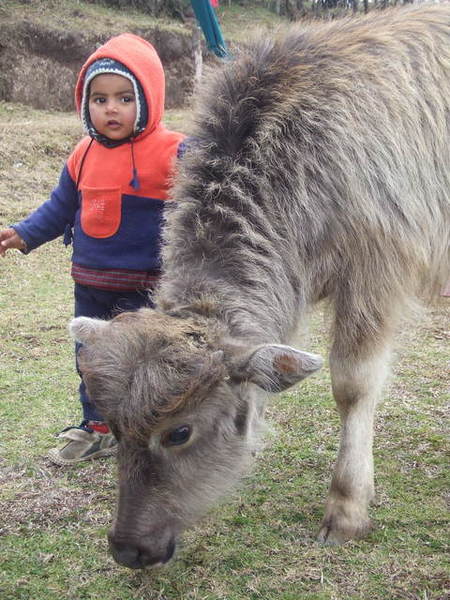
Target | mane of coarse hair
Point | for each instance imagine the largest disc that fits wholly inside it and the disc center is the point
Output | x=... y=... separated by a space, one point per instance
x=276 y=79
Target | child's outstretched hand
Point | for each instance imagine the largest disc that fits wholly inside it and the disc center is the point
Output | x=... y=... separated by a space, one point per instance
x=10 y=239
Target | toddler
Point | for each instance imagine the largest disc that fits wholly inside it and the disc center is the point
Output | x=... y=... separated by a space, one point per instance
x=109 y=203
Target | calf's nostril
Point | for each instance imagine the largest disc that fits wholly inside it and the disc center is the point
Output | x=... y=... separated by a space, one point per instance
x=128 y=556
x=170 y=551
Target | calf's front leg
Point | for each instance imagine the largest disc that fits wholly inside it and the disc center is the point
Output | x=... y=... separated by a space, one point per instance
x=357 y=384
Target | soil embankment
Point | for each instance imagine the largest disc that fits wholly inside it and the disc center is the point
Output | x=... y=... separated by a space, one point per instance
x=39 y=64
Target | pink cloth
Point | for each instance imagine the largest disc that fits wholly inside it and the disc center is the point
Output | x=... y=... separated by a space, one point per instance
x=214 y=3
x=446 y=290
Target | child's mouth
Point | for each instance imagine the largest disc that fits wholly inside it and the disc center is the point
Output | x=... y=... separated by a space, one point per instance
x=113 y=124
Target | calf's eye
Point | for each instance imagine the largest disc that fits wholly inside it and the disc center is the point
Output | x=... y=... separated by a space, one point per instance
x=176 y=437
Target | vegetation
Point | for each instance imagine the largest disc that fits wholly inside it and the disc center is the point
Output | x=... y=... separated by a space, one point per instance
x=260 y=543
x=96 y=17
x=293 y=9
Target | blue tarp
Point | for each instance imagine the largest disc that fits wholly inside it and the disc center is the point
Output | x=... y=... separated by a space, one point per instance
x=207 y=20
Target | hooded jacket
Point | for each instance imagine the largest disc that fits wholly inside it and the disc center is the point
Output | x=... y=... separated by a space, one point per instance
x=116 y=225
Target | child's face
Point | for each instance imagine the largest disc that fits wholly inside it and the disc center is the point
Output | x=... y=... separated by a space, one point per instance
x=112 y=106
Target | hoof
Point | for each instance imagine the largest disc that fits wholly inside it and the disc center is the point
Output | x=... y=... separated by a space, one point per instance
x=335 y=532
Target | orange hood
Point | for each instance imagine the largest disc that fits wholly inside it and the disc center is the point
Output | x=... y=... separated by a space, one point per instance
x=140 y=57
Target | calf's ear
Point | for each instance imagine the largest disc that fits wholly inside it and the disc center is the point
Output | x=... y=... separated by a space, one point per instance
x=274 y=367
x=85 y=329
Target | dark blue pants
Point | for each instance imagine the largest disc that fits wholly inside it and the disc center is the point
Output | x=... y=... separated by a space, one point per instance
x=103 y=304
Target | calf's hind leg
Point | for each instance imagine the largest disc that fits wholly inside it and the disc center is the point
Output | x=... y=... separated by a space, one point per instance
x=357 y=383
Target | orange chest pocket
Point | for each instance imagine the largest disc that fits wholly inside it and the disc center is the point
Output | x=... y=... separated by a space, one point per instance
x=101 y=211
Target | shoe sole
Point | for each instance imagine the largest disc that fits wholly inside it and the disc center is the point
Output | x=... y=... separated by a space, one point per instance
x=54 y=456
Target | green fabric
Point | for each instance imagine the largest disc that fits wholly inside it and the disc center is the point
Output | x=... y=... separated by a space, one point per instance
x=207 y=20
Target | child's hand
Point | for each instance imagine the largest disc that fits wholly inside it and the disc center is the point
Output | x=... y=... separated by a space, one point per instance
x=10 y=239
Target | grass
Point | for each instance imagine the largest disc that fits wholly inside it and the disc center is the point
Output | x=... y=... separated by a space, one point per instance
x=237 y=23
x=79 y=15
x=260 y=543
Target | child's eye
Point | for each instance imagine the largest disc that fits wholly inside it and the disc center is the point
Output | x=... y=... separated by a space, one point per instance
x=98 y=100
x=127 y=99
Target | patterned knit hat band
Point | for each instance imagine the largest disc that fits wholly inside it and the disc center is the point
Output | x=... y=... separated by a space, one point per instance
x=101 y=67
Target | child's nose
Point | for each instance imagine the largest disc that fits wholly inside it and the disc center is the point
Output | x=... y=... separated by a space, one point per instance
x=111 y=106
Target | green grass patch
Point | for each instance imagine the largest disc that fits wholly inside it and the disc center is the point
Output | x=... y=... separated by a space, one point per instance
x=79 y=15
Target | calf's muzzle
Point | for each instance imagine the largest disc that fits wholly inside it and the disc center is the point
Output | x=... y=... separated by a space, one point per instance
x=142 y=553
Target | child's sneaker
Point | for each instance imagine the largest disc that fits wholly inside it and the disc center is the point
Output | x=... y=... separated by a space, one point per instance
x=89 y=440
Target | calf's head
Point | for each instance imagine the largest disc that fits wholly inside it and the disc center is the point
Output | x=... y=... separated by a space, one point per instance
x=184 y=401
